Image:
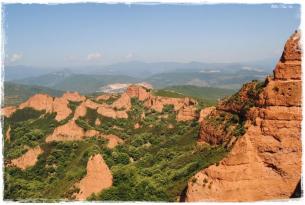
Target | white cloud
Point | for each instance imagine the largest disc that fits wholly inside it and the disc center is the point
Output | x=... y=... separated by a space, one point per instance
x=94 y=56
x=15 y=57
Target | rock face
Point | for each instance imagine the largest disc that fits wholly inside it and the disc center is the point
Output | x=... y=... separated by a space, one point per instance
x=28 y=159
x=98 y=177
x=73 y=96
x=157 y=103
x=123 y=102
x=67 y=132
x=8 y=134
x=185 y=107
x=264 y=163
x=45 y=102
x=187 y=113
x=8 y=111
x=139 y=92
x=60 y=106
x=108 y=111
x=70 y=132
x=104 y=96
x=113 y=141
x=205 y=112
x=38 y=102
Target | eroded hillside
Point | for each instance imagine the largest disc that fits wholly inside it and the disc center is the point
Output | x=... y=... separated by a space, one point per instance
x=118 y=147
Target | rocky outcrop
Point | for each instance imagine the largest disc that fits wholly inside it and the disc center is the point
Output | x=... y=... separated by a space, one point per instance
x=109 y=111
x=44 y=102
x=123 y=102
x=67 y=132
x=98 y=178
x=139 y=92
x=205 y=112
x=60 y=106
x=157 y=103
x=113 y=141
x=97 y=122
x=8 y=134
x=8 y=111
x=73 y=96
x=70 y=132
x=104 y=96
x=28 y=159
x=264 y=163
x=80 y=111
x=187 y=113
x=39 y=102
x=137 y=126
x=185 y=107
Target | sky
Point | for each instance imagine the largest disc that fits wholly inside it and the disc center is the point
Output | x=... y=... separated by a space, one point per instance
x=100 y=34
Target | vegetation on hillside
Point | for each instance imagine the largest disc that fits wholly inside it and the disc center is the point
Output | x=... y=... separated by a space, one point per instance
x=208 y=93
x=154 y=163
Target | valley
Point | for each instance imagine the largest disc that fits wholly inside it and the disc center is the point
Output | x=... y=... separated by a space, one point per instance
x=225 y=133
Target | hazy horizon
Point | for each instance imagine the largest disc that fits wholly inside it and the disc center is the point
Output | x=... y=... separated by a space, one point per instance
x=88 y=34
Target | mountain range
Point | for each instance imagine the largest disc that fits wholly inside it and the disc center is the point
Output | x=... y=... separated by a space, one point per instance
x=159 y=75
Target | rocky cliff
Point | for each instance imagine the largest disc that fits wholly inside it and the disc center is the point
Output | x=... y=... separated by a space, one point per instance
x=265 y=160
x=98 y=177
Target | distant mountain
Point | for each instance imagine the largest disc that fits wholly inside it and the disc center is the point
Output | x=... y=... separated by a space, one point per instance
x=144 y=70
x=68 y=81
x=231 y=79
x=20 y=71
x=160 y=75
x=14 y=93
x=137 y=69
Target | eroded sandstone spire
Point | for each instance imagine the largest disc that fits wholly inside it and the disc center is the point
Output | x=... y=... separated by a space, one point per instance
x=264 y=163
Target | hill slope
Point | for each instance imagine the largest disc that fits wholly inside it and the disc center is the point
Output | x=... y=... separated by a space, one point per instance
x=208 y=93
x=15 y=94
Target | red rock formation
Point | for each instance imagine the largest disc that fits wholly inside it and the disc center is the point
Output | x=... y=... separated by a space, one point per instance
x=205 y=112
x=139 y=92
x=113 y=141
x=67 y=132
x=157 y=103
x=92 y=105
x=28 y=159
x=264 y=163
x=97 y=122
x=123 y=102
x=47 y=103
x=108 y=111
x=60 y=106
x=38 y=102
x=187 y=113
x=137 y=126
x=70 y=132
x=8 y=111
x=98 y=178
x=185 y=106
x=8 y=134
x=104 y=96
x=80 y=111
x=74 y=96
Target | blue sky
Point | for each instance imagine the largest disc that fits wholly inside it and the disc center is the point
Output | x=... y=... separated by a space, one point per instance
x=98 y=34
